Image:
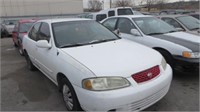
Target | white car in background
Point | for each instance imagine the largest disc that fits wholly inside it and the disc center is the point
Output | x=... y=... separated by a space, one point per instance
x=99 y=16
x=95 y=69
x=8 y=26
x=178 y=48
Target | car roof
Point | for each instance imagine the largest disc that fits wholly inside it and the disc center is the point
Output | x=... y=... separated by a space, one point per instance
x=27 y=21
x=133 y=16
x=172 y=16
x=63 y=20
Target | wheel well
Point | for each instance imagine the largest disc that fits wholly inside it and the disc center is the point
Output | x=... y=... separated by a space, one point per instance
x=60 y=76
x=25 y=51
x=159 y=49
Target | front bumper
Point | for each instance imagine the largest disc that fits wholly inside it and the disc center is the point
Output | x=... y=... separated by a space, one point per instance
x=136 y=97
x=186 y=61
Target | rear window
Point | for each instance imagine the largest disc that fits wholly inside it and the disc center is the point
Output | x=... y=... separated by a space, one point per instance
x=125 y=11
x=100 y=17
x=24 y=27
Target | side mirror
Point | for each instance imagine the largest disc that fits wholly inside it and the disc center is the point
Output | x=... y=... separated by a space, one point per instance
x=135 y=32
x=117 y=32
x=43 y=44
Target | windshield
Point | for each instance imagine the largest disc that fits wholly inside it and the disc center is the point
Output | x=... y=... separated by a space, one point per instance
x=24 y=27
x=152 y=25
x=77 y=33
x=190 y=22
x=125 y=11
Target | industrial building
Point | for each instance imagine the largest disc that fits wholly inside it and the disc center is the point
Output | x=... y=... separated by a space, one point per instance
x=9 y=8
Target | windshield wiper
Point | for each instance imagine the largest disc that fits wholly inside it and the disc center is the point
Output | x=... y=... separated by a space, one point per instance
x=195 y=28
x=155 y=33
x=102 y=40
x=72 y=45
x=171 y=31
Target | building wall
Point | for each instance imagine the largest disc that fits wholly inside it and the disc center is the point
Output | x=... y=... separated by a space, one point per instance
x=40 y=7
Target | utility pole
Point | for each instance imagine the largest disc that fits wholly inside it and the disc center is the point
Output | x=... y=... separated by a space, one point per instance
x=110 y=3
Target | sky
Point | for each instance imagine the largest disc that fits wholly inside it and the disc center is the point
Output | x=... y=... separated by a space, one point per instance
x=85 y=2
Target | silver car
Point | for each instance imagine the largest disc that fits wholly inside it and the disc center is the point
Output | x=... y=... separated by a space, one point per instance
x=185 y=23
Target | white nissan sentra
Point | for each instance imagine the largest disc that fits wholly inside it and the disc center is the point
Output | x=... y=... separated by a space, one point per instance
x=93 y=68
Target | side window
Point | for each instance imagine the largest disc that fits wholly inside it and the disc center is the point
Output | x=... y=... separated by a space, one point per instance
x=33 y=34
x=172 y=22
x=110 y=24
x=44 y=33
x=111 y=13
x=100 y=17
x=16 y=27
x=125 y=25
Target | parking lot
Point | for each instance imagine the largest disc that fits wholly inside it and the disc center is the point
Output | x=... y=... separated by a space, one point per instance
x=23 y=90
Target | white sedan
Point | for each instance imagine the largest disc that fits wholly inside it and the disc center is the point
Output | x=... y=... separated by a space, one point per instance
x=95 y=69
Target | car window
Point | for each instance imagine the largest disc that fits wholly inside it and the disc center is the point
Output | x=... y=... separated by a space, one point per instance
x=44 y=33
x=125 y=25
x=190 y=22
x=172 y=22
x=125 y=11
x=110 y=23
x=16 y=27
x=34 y=31
x=152 y=25
x=111 y=13
x=100 y=17
x=24 y=27
x=80 y=32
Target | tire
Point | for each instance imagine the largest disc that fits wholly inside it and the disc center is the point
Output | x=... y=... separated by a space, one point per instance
x=69 y=96
x=168 y=57
x=20 y=49
x=30 y=65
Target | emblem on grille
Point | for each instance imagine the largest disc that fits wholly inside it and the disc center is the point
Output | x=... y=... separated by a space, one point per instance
x=149 y=75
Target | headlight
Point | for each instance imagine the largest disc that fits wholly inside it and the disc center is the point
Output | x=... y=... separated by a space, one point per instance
x=105 y=83
x=163 y=63
x=187 y=54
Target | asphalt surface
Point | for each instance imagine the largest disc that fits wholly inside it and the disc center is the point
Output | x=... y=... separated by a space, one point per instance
x=23 y=90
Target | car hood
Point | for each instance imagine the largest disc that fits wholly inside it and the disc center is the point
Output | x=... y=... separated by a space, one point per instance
x=181 y=38
x=115 y=58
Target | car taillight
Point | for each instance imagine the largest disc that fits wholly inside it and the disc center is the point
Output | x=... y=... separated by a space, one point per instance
x=146 y=74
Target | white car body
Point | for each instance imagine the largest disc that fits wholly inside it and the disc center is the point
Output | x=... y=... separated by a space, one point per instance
x=175 y=43
x=121 y=58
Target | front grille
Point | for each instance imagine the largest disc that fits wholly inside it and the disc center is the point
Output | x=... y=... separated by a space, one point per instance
x=146 y=75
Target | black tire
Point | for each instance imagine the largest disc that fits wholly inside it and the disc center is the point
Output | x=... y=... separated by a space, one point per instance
x=69 y=96
x=168 y=57
x=30 y=65
x=20 y=49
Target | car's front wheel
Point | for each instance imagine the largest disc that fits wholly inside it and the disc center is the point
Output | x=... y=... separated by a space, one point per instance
x=167 y=57
x=69 y=96
x=29 y=63
x=20 y=49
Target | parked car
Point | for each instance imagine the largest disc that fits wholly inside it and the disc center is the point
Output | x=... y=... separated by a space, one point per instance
x=21 y=28
x=185 y=23
x=174 y=12
x=99 y=16
x=178 y=48
x=95 y=69
x=3 y=32
x=8 y=26
x=195 y=15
